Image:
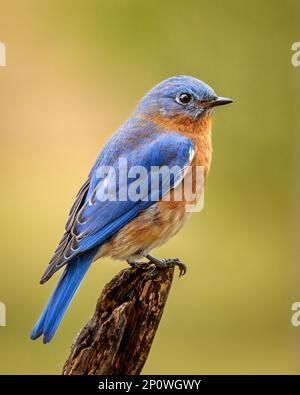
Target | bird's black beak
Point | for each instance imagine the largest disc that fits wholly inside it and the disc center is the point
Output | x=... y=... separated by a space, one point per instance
x=218 y=101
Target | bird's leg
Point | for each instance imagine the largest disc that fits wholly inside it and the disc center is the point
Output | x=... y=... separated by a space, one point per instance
x=166 y=263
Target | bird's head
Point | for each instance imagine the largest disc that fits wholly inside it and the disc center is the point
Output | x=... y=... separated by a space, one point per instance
x=181 y=96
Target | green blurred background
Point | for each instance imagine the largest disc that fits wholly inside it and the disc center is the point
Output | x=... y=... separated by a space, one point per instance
x=75 y=70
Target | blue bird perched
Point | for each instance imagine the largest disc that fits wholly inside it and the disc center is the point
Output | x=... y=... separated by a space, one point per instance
x=170 y=127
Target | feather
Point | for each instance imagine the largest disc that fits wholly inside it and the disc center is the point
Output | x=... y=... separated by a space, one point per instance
x=62 y=297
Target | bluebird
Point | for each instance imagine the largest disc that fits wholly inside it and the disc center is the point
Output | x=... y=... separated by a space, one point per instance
x=171 y=126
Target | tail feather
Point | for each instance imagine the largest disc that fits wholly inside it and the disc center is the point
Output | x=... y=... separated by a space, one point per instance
x=62 y=297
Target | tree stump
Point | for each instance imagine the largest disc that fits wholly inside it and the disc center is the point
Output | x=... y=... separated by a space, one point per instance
x=118 y=338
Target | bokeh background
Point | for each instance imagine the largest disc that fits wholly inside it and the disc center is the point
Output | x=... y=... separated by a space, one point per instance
x=75 y=70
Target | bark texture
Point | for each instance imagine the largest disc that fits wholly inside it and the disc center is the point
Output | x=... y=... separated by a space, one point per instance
x=118 y=338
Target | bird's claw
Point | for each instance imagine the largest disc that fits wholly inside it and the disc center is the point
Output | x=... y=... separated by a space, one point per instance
x=176 y=262
x=167 y=263
x=159 y=264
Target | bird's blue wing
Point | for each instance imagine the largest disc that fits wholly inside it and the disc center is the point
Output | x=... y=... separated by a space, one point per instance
x=92 y=219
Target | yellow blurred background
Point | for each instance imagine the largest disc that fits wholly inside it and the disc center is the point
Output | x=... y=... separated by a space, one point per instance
x=75 y=70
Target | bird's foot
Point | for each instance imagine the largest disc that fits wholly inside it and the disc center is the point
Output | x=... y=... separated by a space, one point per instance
x=166 y=263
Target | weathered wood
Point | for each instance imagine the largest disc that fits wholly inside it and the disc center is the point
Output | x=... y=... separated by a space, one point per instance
x=118 y=338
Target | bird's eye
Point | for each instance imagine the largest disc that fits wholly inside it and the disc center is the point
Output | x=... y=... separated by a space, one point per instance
x=184 y=98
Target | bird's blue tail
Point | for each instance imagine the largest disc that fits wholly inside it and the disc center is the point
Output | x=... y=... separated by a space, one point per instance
x=62 y=297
